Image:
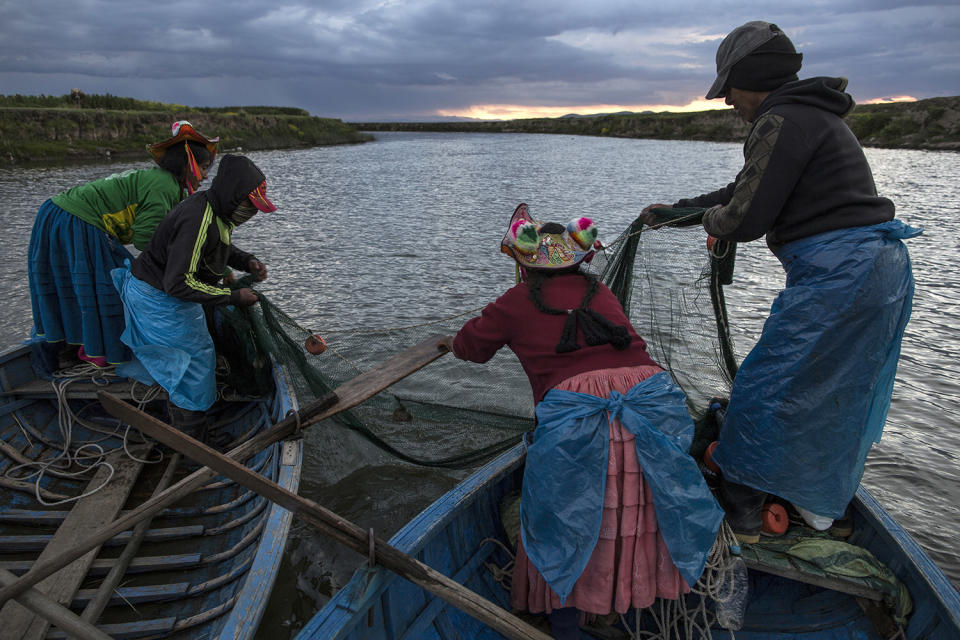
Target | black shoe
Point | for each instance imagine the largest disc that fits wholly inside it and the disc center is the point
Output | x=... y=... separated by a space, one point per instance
x=842 y=527
x=744 y=507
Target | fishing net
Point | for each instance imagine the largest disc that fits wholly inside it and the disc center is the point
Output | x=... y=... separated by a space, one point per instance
x=456 y=414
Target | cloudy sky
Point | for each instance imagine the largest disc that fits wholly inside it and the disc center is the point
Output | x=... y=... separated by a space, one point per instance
x=364 y=60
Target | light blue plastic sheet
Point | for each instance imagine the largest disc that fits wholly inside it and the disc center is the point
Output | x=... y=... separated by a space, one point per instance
x=170 y=342
x=566 y=471
x=812 y=396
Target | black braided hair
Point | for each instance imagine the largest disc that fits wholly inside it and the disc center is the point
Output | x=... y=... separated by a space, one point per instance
x=597 y=328
x=174 y=159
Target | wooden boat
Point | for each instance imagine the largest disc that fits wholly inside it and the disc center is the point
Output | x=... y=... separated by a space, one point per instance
x=461 y=535
x=202 y=567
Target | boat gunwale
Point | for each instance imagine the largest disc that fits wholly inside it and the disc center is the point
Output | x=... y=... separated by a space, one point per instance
x=251 y=601
x=919 y=568
x=366 y=586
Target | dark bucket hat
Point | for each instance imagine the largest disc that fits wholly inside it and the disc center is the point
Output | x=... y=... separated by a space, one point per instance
x=738 y=44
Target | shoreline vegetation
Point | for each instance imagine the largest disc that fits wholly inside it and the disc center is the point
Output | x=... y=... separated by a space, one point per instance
x=74 y=128
x=930 y=124
x=77 y=128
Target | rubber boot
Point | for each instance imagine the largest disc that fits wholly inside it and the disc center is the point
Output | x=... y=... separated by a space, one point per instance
x=565 y=623
x=192 y=423
x=744 y=507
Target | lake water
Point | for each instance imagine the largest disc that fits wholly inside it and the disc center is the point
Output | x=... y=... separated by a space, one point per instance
x=405 y=229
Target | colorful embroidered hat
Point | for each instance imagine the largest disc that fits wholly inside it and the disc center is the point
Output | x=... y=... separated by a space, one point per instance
x=181 y=132
x=259 y=199
x=537 y=245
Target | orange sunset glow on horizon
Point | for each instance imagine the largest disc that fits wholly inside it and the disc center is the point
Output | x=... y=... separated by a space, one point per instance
x=888 y=99
x=517 y=112
x=520 y=112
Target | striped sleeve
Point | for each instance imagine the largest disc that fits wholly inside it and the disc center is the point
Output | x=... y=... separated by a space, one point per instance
x=184 y=258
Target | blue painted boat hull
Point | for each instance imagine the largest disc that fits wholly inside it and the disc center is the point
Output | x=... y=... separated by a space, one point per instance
x=461 y=532
x=209 y=561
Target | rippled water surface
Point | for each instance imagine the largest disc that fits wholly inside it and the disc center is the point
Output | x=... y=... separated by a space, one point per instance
x=405 y=230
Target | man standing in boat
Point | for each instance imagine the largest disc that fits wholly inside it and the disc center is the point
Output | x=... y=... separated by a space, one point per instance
x=812 y=396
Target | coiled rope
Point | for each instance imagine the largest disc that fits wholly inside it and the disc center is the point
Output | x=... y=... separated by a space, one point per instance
x=85 y=457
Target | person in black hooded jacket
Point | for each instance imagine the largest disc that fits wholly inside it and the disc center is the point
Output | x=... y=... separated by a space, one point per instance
x=812 y=396
x=182 y=269
x=191 y=249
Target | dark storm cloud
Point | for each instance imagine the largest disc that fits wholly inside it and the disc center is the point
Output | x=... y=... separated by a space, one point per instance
x=374 y=59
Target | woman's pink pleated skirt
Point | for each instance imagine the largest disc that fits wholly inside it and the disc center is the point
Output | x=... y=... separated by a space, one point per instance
x=630 y=566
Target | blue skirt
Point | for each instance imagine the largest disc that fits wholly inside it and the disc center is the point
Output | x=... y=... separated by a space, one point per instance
x=812 y=396
x=73 y=297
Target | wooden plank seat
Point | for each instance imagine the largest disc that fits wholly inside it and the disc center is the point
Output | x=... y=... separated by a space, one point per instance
x=102 y=566
x=124 y=389
x=82 y=390
x=836 y=583
x=13 y=544
x=772 y=556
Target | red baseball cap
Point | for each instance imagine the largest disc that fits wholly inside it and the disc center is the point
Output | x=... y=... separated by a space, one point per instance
x=259 y=198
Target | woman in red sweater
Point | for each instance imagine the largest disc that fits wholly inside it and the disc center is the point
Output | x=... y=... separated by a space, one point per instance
x=614 y=512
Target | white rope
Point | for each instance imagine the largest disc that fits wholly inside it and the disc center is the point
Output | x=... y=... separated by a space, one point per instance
x=673 y=619
x=88 y=456
x=677 y=619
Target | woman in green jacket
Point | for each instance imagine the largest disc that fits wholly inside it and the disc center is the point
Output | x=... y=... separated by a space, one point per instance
x=79 y=236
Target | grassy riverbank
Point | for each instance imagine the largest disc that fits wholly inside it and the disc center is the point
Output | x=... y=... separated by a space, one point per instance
x=57 y=130
x=926 y=124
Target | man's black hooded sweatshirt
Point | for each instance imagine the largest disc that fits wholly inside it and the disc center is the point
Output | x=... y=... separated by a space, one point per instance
x=190 y=250
x=804 y=171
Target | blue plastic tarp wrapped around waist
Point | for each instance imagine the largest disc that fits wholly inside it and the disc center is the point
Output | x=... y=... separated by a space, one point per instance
x=812 y=396
x=170 y=342
x=566 y=470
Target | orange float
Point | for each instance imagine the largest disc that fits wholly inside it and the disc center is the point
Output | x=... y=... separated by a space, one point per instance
x=315 y=344
x=775 y=519
x=708 y=458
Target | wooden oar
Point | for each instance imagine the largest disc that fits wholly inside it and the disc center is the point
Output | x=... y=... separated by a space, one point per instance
x=327 y=522
x=346 y=396
x=91 y=613
x=66 y=620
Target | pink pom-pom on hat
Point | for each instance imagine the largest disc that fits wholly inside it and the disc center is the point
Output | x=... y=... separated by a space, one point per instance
x=583 y=231
x=525 y=236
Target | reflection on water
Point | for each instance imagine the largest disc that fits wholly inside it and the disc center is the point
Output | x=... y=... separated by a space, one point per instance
x=406 y=230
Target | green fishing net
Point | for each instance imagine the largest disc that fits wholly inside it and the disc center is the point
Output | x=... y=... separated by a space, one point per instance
x=456 y=414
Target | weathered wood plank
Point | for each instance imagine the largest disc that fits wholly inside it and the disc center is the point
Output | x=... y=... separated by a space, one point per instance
x=76 y=390
x=91 y=613
x=60 y=615
x=89 y=515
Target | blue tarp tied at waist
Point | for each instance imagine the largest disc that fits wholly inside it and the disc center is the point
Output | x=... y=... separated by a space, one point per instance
x=812 y=396
x=566 y=471
x=170 y=342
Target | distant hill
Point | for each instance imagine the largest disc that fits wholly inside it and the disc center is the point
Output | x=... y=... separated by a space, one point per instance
x=594 y=115
x=70 y=128
x=933 y=124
